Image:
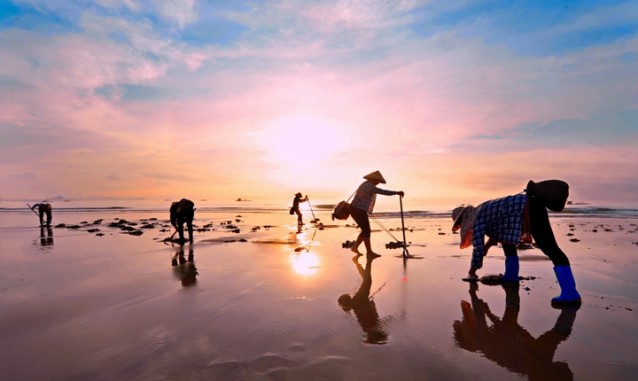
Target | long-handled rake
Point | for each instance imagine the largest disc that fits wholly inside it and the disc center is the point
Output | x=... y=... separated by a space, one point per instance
x=315 y=220
x=406 y=254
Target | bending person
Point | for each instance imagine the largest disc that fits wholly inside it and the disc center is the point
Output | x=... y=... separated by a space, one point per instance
x=510 y=220
x=43 y=208
x=183 y=211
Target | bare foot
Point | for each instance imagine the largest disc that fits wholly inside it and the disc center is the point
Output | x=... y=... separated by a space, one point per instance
x=373 y=255
x=355 y=250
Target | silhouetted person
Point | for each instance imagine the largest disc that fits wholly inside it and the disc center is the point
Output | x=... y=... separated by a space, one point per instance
x=43 y=208
x=48 y=239
x=184 y=269
x=183 y=211
x=508 y=344
x=363 y=305
x=510 y=220
x=363 y=204
x=295 y=208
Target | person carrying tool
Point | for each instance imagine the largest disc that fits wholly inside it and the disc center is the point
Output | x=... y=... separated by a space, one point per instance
x=183 y=211
x=294 y=209
x=510 y=220
x=362 y=204
x=42 y=209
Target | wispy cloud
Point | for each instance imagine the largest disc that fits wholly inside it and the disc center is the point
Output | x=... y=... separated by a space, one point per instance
x=114 y=91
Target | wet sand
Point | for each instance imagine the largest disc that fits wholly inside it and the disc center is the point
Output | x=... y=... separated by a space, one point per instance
x=256 y=301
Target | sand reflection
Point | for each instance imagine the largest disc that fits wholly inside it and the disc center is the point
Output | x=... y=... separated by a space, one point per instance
x=511 y=346
x=305 y=263
x=46 y=236
x=184 y=268
x=362 y=303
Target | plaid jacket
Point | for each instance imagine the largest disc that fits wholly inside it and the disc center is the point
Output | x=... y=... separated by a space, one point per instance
x=500 y=219
x=366 y=196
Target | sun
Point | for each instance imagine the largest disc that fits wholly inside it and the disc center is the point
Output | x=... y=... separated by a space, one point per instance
x=301 y=142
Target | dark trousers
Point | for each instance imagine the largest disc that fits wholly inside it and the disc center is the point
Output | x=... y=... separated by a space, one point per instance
x=542 y=232
x=360 y=216
x=42 y=213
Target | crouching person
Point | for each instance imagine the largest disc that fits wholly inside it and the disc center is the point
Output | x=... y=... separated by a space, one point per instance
x=517 y=219
x=43 y=208
x=183 y=211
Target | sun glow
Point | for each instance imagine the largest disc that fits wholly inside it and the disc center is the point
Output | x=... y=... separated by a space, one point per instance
x=301 y=143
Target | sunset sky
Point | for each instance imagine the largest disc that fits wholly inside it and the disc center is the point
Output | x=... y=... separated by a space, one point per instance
x=453 y=101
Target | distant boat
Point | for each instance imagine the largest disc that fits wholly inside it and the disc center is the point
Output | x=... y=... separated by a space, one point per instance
x=242 y=199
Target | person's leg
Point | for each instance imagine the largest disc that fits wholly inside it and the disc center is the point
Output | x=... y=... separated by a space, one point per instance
x=544 y=236
x=41 y=214
x=511 y=263
x=361 y=218
x=180 y=229
x=189 y=224
x=299 y=217
x=49 y=217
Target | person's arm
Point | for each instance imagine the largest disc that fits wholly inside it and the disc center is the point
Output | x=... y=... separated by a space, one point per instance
x=388 y=192
x=478 y=244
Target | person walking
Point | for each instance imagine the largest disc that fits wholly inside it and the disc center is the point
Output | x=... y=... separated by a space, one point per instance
x=513 y=220
x=295 y=208
x=183 y=211
x=44 y=208
x=363 y=204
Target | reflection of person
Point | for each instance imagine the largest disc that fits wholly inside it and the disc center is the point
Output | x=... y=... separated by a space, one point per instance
x=295 y=208
x=48 y=239
x=184 y=269
x=364 y=306
x=510 y=220
x=363 y=203
x=43 y=208
x=508 y=344
x=183 y=211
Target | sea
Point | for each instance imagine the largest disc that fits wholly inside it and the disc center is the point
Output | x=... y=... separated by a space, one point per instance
x=123 y=206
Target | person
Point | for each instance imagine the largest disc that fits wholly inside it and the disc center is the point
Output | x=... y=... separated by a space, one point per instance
x=183 y=211
x=295 y=208
x=42 y=209
x=508 y=344
x=363 y=305
x=362 y=204
x=513 y=220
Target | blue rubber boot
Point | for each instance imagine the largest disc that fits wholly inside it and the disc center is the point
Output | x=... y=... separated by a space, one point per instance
x=568 y=293
x=511 y=269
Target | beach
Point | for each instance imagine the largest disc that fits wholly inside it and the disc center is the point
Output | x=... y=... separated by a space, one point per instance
x=251 y=299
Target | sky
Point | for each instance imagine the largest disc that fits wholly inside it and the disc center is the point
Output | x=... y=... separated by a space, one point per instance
x=454 y=101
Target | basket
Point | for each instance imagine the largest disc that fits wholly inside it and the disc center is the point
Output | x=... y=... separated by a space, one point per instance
x=341 y=211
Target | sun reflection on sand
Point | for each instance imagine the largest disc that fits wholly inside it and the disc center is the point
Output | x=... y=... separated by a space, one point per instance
x=305 y=263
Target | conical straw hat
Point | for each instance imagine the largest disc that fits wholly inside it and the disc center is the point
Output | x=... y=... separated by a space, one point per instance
x=375 y=176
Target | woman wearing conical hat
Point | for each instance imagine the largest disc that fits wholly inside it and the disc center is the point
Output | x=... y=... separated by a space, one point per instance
x=362 y=204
